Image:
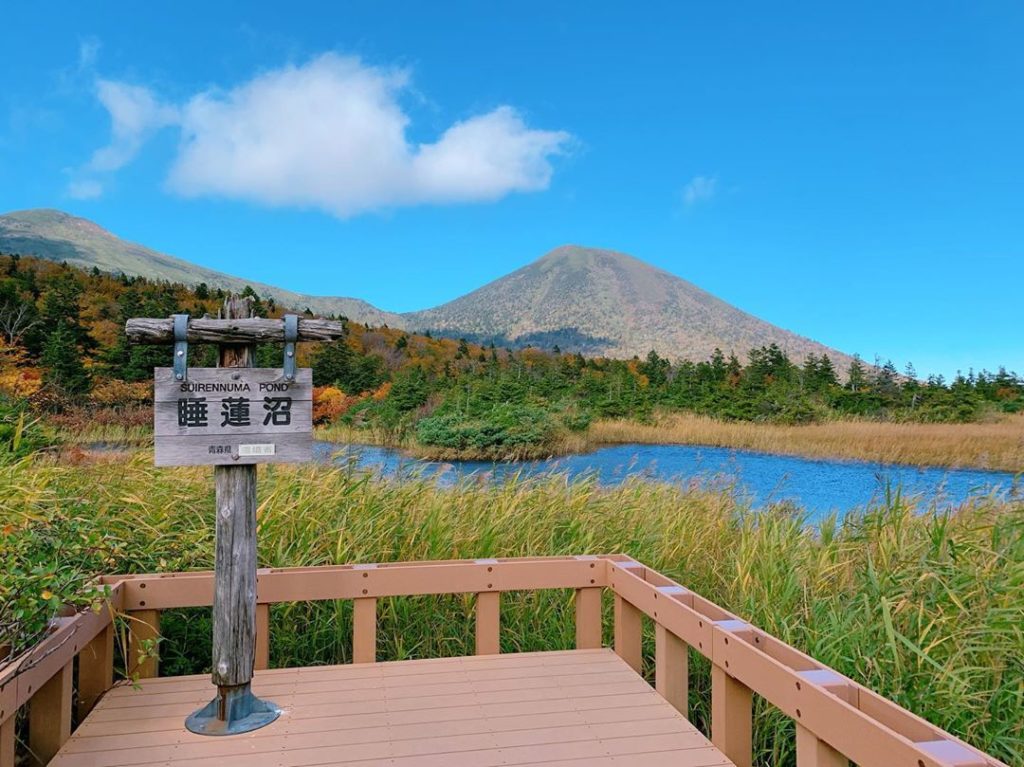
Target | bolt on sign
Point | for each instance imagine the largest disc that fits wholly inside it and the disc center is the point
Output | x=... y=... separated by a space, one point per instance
x=232 y=416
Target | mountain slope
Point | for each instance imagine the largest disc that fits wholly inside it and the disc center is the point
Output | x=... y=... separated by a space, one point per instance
x=614 y=304
x=582 y=299
x=58 y=236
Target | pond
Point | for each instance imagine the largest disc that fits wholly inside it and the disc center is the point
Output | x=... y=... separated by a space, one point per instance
x=819 y=486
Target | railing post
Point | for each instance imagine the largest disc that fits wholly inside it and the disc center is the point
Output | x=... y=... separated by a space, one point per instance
x=262 y=637
x=7 y=740
x=95 y=670
x=628 y=634
x=364 y=630
x=588 y=618
x=49 y=716
x=143 y=625
x=731 y=717
x=488 y=623
x=814 y=752
x=672 y=668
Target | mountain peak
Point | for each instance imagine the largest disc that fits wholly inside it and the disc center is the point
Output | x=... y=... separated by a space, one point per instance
x=593 y=300
x=607 y=302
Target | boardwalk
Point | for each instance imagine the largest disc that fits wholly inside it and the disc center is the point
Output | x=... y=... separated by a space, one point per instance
x=572 y=708
x=587 y=706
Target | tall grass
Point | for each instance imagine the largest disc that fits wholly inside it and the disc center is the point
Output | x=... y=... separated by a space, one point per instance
x=925 y=607
x=995 y=445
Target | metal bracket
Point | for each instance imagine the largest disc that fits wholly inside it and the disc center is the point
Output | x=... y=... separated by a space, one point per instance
x=291 y=335
x=235 y=710
x=180 y=347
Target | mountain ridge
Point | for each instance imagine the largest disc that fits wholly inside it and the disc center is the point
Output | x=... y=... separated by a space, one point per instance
x=598 y=301
x=59 y=236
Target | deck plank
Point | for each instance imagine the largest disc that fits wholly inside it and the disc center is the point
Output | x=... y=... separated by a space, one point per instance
x=557 y=709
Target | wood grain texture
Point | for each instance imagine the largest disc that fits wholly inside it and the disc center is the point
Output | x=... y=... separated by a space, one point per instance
x=253 y=330
x=166 y=423
x=234 y=591
x=195 y=451
x=261 y=381
x=558 y=709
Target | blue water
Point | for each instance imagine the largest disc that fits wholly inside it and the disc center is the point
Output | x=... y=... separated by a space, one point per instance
x=819 y=486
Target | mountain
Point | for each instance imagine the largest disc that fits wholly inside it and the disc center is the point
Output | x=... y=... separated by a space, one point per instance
x=599 y=302
x=58 y=236
x=609 y=303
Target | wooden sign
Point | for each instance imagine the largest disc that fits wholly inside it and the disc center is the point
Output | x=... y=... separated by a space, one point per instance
x=232 y=417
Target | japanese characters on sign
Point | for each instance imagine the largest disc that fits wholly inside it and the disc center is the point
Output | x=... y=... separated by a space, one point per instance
x=232 y=416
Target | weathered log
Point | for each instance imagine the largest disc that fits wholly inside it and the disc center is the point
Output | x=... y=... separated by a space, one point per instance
x=234 y=600
x=144 y=330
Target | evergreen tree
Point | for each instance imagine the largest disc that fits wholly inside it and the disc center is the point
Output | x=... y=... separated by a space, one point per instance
x=856 y=377
x=62 y=362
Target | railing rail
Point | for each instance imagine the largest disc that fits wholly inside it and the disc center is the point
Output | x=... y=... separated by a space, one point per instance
x=836 y=718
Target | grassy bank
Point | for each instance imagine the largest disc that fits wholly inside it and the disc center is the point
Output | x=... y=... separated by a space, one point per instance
x=995 y=445
x=927 y=609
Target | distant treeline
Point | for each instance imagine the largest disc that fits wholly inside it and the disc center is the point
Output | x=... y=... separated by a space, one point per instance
x=62 y=347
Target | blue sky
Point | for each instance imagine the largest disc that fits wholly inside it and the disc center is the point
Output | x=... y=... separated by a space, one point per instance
x=852 y=172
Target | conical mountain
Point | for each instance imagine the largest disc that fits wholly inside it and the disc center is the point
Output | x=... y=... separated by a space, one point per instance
x=610 y=303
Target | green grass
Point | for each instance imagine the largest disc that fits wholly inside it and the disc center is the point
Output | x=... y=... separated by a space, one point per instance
x=926 y=608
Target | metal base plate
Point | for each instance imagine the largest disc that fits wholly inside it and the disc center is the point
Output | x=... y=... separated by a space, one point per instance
x=235 y=710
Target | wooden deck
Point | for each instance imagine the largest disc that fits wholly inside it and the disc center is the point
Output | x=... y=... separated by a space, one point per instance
x=580 y=707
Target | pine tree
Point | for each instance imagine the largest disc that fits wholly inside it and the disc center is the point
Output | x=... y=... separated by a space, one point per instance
x=856 y=378
x=62 y=362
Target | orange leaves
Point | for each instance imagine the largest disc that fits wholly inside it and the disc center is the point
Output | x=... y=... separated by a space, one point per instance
x=17 y=378
x=329 y=404
x=114 y=393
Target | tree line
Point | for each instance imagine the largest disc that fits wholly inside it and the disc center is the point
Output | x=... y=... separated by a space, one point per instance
x=62 y=345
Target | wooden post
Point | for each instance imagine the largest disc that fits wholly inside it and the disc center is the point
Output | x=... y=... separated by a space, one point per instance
x=262 y=637
x=364 y=630
x=95 y=670
x=49 y=717
x=234 y=594
x=629 y=634
x=671 y=668
x=731 y=717
x=488 y=623
x=812 y=752
x=588 y=618
x=7 y=741
x=143 y=625
x=187 y=433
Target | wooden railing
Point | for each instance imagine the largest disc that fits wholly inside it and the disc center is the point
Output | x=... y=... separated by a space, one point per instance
x=836 y=719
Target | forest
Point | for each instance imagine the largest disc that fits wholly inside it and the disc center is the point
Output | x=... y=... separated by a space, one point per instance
x=64 y=360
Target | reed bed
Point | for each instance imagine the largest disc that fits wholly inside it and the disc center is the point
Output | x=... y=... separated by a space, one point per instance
x=995 y=445
x=925 y=606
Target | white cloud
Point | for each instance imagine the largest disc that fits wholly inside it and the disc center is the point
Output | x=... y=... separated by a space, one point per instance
x=331 y=134
x=85 y=189
x=699 y=188
x=135 y=113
